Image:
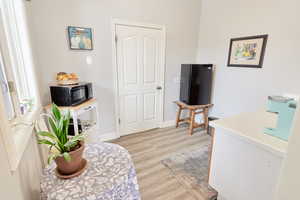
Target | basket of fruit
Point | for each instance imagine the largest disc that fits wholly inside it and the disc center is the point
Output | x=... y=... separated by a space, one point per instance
x=64 y=78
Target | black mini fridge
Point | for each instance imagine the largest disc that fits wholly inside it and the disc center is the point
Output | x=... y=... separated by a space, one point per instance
x=196 y=83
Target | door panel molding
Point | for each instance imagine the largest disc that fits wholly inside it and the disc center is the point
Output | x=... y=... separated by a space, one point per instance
x=150 y=98
x=149 y=41
x=159 y=73
x=133 y=43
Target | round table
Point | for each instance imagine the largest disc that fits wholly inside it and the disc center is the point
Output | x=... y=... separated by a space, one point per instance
x=110 y=175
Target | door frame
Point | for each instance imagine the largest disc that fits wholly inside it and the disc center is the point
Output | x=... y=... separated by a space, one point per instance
x=114 y=24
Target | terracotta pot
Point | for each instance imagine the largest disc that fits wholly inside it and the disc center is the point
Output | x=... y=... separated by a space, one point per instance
x=66 y=168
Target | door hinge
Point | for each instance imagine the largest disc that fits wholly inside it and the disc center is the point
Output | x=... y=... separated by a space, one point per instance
x=11 y=86
x=116 y=39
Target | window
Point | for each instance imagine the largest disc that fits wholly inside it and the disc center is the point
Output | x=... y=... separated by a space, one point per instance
x=19 y=92
x=21 y=84
x=6 y=91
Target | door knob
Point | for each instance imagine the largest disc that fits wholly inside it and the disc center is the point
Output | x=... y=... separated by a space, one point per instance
x=158 y=87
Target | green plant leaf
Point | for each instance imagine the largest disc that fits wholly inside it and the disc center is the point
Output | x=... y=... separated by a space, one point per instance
x=47 y=142
x=74 y=140
x=78 y=137
x=60 y=125
x=55 y=128
x=56 y=112
x=60 y=131
x=66 y=126
x=53 y=125
x=51 y=157
x=47 y=134
x=67 y=156
x=70 y=144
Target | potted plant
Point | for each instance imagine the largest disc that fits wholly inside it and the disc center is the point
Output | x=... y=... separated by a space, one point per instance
x=65 y=150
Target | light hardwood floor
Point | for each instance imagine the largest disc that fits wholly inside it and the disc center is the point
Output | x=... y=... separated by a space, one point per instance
x=147 y=149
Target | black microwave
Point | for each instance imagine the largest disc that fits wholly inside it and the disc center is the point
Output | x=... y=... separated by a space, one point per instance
x=71 y=95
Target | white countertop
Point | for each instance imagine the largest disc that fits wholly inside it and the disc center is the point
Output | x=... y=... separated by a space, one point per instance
x=250 y=127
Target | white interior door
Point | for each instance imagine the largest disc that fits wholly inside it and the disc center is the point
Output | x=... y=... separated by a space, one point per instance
x=140 y=78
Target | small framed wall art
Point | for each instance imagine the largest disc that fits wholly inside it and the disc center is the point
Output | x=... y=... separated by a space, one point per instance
x=247 y=51
x=80 y=38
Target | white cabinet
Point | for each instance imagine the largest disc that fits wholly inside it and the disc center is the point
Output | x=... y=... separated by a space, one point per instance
x=245 y=162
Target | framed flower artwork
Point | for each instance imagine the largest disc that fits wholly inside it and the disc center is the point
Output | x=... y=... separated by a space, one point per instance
x=247 y=51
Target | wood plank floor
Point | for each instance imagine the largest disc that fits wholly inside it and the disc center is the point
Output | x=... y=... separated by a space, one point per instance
x=148 y=149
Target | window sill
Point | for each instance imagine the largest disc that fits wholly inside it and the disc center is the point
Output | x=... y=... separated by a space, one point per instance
x=22 y=132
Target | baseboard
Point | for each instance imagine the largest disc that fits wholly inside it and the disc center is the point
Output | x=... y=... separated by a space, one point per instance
x=113 y=135
x=166 y=124
x=101 y=136
x=108 y=136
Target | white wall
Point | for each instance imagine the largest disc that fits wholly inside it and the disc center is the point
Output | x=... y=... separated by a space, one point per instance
x=9 y=184
x=24 y=183
x=245 y=89
x=49 y=20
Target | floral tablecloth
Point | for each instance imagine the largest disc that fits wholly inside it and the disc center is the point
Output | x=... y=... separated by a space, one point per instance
x=110 y=175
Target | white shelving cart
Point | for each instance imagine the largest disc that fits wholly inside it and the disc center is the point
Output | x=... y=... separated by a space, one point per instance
x=85 y=116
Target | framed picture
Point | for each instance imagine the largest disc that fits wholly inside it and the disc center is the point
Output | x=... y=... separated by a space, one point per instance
x=80 y=38
x=247 y=51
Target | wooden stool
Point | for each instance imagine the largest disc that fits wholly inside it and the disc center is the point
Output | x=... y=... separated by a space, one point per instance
x=194 y=110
